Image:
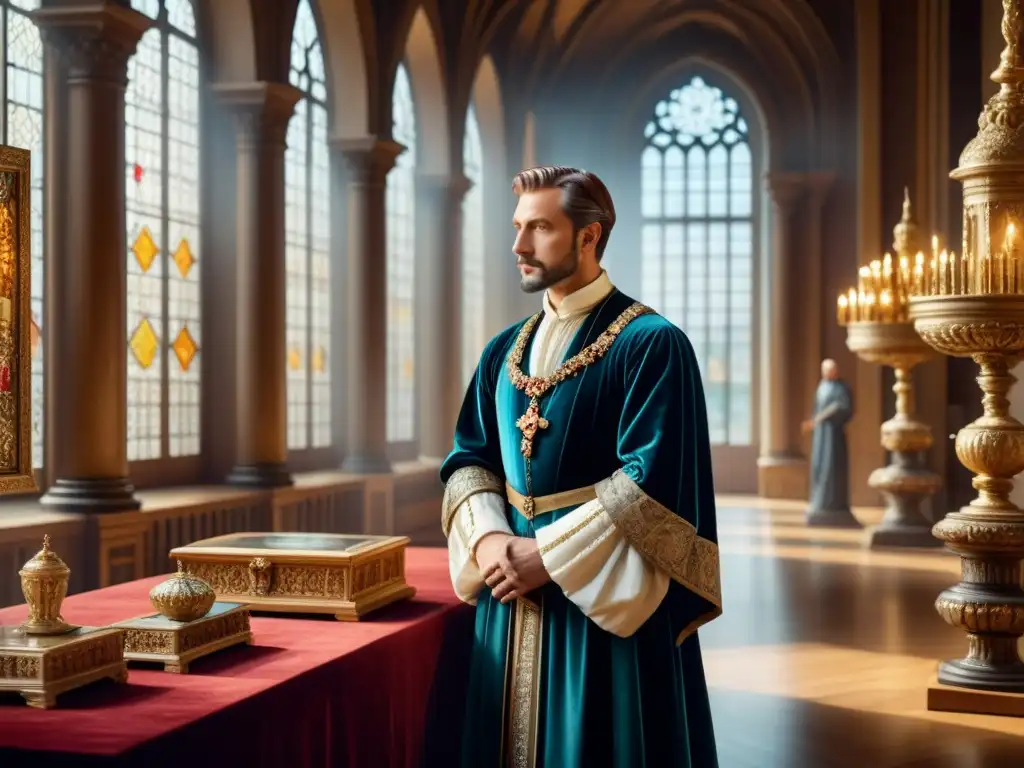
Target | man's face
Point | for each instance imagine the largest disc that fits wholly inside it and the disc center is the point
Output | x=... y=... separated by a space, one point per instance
x=829 y=370
x=546 y=250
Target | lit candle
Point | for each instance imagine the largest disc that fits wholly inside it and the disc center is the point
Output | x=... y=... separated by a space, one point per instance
x=885 y=306
x=842 y=309
x=1009 y=266
x=854 y=312
x=943 y=279
x=919 y=287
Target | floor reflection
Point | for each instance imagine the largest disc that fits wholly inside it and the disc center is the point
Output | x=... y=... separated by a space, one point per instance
x=824 y=652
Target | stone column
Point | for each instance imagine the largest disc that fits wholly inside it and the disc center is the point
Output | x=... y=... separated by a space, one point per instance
x=88 y=48
x=439 y=310
x=369 y=160
x=814 y=307
x=781 y=469
x=262 y=111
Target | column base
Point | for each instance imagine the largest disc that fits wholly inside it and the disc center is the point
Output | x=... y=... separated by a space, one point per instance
x=275 y=475
x=366 y=465
x=832 y=518
x=782 y=477
x=101 y=494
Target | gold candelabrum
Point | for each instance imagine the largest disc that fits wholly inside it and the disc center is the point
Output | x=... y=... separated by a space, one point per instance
x=973 y=306
x=878 y=330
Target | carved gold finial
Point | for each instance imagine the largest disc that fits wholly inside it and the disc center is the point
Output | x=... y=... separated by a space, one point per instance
x=1009 y=60
x=46 y=542
x=180 y=568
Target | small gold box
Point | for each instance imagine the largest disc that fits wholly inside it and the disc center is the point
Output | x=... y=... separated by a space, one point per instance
x=345 y=575
x=41 y=667
x=177 y=643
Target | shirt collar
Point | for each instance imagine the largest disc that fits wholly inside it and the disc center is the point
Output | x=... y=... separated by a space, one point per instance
x=580 y=301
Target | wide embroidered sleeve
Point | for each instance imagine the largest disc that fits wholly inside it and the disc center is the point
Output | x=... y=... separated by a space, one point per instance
x=662 y=499
x=588 y=557
x=474 y=485
x=480 y=514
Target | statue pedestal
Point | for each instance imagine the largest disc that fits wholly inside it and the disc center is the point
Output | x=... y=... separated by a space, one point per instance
x=832 y=518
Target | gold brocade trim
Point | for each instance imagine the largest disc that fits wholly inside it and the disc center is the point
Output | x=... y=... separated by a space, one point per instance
x=464 y=483
x=664 y=539
x=549 y=503
x=524 y=706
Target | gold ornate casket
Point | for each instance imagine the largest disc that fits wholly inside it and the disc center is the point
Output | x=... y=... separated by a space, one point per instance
x=346 y=575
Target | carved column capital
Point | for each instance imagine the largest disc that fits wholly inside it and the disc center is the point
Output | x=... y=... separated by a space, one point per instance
x=95 y=40
x=369 y=158
x=786 y=189
x=819 y=185
x=262 y=110
x=452 y=187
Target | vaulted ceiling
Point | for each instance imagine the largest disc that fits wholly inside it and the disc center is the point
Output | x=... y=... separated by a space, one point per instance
x=549 y=42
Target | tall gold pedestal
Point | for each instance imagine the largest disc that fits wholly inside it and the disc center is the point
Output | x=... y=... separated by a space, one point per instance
x=41 y=667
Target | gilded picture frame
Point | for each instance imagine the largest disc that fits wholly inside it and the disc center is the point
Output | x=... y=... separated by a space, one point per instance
x=16 y=475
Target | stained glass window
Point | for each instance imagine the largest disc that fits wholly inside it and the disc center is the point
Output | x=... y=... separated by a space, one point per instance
x=23 y=127
x=307 y=238
x=162 y=213
x=697 y=201
x=401 y=249
x=473 y=291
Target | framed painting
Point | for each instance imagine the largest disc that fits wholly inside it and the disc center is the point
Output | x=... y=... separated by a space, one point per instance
x=15 y=323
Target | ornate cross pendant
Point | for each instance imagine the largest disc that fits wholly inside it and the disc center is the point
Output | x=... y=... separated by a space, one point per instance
x=528 y=424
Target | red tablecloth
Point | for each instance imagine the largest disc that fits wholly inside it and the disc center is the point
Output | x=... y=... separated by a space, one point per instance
x=309 y=692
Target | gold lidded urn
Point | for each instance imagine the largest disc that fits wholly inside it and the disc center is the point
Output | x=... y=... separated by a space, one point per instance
x=44 y=582
x=183 y=597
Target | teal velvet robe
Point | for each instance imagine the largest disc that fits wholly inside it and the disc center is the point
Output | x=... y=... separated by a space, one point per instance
x=548 y=687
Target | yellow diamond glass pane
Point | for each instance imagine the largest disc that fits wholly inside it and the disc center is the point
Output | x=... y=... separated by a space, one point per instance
x=183 y=257
x=145 y=249
x=145 y=344
x=185 y=348
x=294 y=359
x=319 y=360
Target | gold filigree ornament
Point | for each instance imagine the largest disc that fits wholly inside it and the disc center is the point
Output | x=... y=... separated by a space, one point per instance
x=535 y=387
x=984 y=320
x=44 y=581
x=183 y=597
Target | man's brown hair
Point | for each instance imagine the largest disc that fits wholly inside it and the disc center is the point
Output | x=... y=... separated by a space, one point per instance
x=585 y=198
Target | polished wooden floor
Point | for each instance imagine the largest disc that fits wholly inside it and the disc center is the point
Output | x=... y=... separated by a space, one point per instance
x=823 y=654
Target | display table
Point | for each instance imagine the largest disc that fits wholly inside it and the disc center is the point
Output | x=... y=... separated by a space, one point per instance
x=308 y=692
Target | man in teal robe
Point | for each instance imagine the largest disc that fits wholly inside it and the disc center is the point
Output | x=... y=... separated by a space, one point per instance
x=580 y=513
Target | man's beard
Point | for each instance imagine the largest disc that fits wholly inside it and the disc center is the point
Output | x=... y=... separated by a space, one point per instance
x=544 y=277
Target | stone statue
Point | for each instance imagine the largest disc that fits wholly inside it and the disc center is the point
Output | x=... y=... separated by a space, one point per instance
x=830 y=463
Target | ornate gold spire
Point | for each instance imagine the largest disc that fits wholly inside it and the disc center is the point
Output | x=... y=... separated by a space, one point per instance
x=999 y=138
x=904 y=234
